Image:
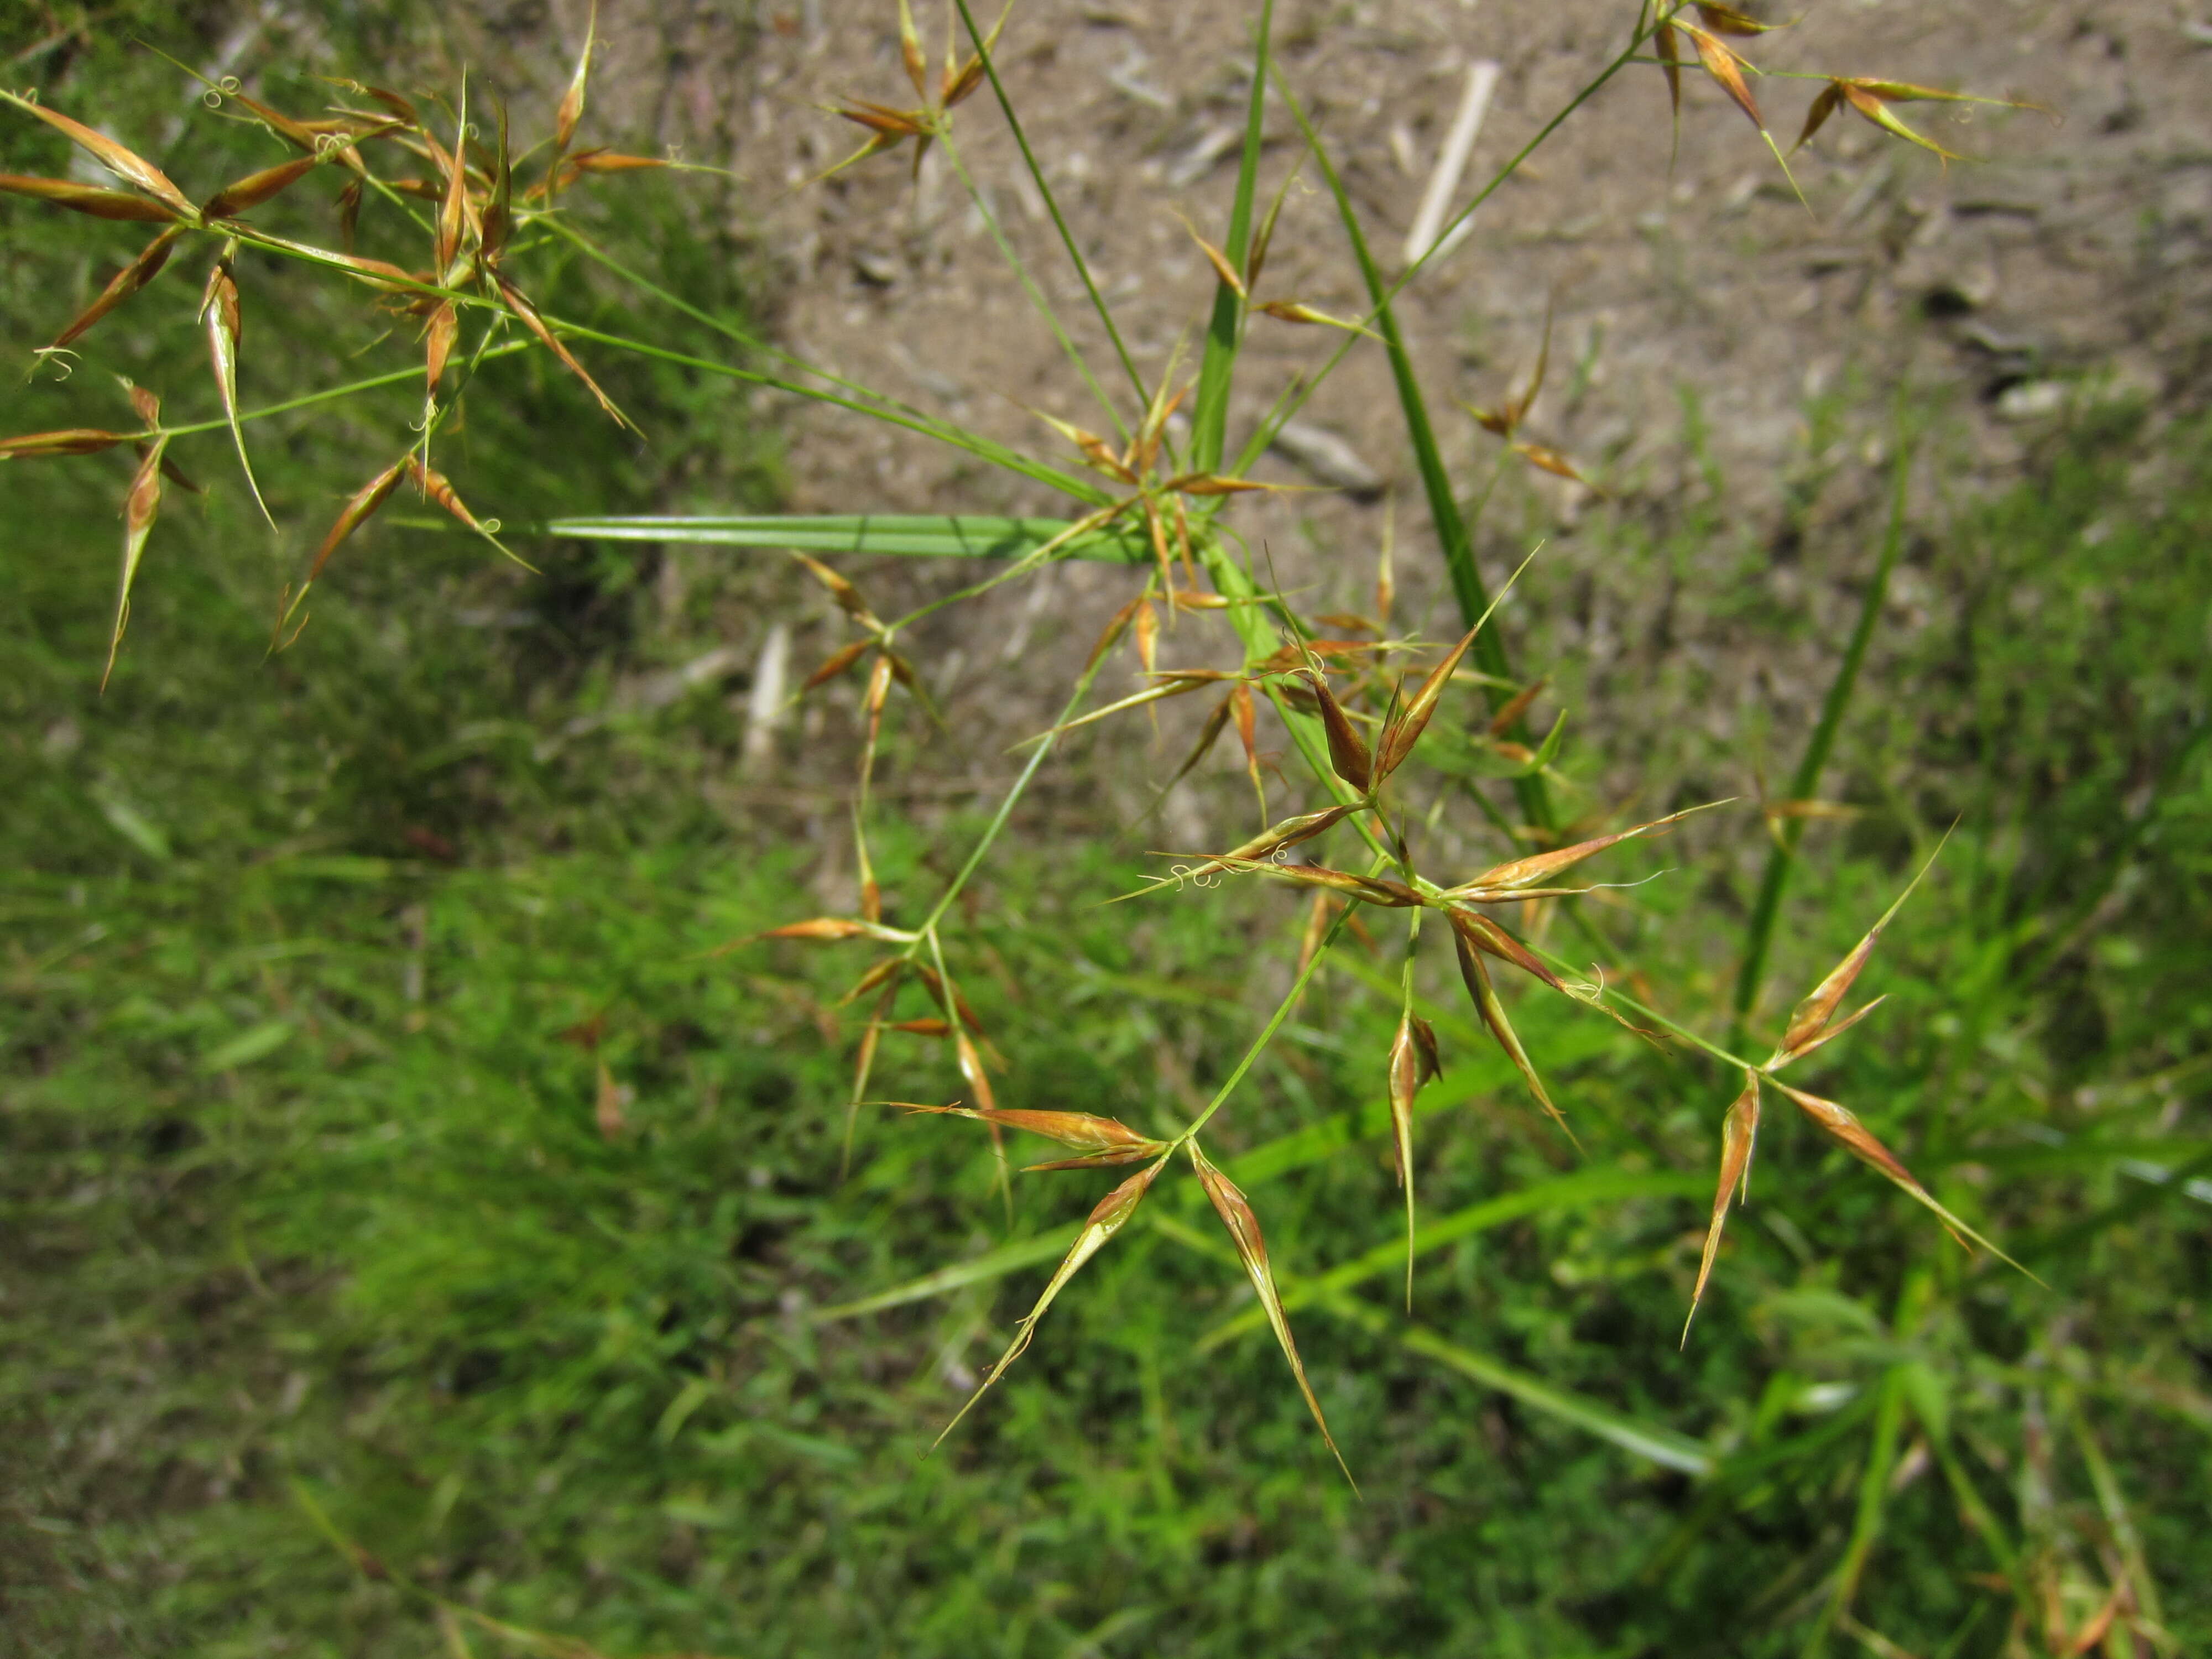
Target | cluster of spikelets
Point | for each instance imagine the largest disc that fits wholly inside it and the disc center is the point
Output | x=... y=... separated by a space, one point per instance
x=473 y=207
x=1353 y=708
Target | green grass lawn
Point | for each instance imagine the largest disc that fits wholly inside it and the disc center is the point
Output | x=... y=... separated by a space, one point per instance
x=314 y=1235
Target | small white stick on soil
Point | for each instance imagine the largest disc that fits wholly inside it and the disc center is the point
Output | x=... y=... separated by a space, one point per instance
x=1451 y=160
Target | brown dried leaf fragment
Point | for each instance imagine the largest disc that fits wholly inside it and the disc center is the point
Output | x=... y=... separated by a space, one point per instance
x=1739 y=1131
x=1111 y=1215
x=1237 y=1215
x=607 y=1106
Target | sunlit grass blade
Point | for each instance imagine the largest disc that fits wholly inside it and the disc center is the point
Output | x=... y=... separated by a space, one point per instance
x=970 y=535
x=1651 y=1442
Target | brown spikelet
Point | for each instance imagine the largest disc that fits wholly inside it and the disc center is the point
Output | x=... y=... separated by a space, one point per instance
x=1525 y=874
x=1726 y=67
x=256 y=188
x=1111 y=1215
x=1348 y=753
x=220 y=314
x=1739 y=1131
x=1237 y=1215
x=1108 y=1139
x=836 y=663
x=846 y=596
x=1516 y=706
x=1412 y=1062
x=356 y=512
x=71 y=440
x=1812 y=1023
x=89 y=199
x=1231 y=278
x=1483 y=934
x=124 y=284
x=124 y=163
x=140 y=505
x=528 y=313
x=1492 y=1013
x=1403 y=730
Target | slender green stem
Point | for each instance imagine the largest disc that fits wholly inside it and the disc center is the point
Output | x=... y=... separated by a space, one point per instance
x=982 y=448
x=330 y=395
x=1268 y=1032
x=1043 y=306
x=1051 y=203
x=997 y=823
x=1452 y=536
x=1735 y=1063
x=1209 y=418
x=1758 y=934
x=1296 y=397
x=721 y=325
